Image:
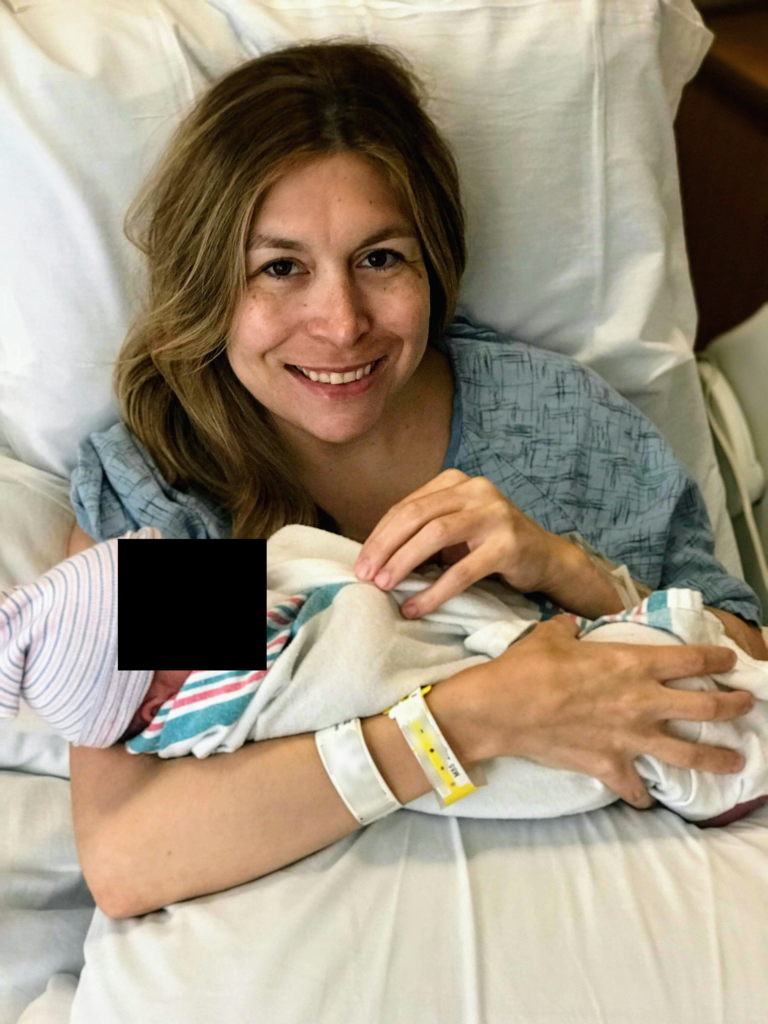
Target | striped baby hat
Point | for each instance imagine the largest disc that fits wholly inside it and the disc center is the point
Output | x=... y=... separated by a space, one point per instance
x=58 y=648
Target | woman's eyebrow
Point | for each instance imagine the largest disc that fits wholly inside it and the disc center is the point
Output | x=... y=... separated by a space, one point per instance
x=261 y=241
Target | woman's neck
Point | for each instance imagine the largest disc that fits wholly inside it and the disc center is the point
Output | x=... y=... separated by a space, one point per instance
x=357 y=491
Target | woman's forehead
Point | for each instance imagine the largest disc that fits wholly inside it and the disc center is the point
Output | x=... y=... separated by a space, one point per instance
x=325 y=191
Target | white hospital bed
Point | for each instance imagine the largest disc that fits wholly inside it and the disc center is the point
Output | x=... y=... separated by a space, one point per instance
x=560 y=112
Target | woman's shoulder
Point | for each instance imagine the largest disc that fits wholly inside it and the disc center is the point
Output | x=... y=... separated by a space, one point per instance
x=116 y=486
x=578 y=455
x=499 y=373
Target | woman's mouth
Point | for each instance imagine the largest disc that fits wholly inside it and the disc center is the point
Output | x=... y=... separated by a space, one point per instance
x=334 y=386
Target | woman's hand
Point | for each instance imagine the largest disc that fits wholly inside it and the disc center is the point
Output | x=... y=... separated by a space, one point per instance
x=475 y=529
x=593 y=708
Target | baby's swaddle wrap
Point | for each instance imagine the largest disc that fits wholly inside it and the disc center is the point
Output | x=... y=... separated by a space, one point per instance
x=339 y=649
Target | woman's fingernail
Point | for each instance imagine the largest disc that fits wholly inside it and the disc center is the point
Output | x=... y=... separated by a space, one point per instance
x=410 y=611
x=382 y=579
x=363 y=570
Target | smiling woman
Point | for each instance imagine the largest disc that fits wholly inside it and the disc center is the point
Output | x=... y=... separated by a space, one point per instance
x=296 y=232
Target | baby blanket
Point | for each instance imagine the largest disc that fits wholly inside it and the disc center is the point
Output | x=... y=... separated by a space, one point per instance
x=338 y=649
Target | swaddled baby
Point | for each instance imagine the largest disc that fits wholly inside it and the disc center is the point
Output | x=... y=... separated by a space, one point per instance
x=338 y=649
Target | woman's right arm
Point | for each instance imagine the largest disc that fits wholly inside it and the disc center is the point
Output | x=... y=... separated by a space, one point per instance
x=152 y=831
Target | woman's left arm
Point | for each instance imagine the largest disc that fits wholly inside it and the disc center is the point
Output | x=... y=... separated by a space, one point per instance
x=611 y=475
x=578 y=585
x=479 y=532
x=689 y=561
x=747 y=636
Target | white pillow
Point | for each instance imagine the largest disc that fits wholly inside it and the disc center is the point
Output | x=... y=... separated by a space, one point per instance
x=36 y=520
x=561 y=118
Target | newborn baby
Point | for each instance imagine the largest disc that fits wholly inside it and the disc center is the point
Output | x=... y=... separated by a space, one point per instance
x=337 y=649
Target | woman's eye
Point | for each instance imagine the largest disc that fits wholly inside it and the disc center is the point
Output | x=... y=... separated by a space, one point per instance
x=385 y=252
x=277 y=263
x=378 y=253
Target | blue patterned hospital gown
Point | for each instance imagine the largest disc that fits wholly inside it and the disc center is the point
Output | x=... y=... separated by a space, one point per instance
x=552 y=435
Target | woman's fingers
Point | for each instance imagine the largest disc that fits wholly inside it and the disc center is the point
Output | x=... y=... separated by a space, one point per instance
x=444 y=481
x=459 y=514
x=408 y=534
x=570 y=705
x=565 y=622
x=626 y=783
x=683 y=662
x=697 y=756
x=615 y=769
x=455 y=580
x=448 y=478
x=711 y=706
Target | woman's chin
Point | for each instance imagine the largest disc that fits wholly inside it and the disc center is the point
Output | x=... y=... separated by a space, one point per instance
x=342 y=430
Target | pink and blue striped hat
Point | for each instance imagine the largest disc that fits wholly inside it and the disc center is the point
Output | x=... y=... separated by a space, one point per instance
x=58 y=649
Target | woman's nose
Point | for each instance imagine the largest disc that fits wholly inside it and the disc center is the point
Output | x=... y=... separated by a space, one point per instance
x=337 y=310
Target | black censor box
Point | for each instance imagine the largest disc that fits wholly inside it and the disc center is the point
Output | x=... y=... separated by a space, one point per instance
x=181 y=602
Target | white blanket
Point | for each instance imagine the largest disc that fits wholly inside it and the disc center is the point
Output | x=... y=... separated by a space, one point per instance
x=339 y=649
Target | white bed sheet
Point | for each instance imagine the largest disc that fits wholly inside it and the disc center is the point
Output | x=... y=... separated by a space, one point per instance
x=617 y=917
x=45 y=905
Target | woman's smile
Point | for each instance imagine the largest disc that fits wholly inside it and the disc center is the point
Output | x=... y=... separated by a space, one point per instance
x=334 y=388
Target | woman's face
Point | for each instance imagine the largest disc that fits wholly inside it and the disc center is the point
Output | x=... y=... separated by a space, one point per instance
x=316 y=299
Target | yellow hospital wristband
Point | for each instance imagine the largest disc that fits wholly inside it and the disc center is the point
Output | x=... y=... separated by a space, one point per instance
x=439 y=763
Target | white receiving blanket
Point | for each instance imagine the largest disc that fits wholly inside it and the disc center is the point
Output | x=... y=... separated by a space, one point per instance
x=360 y=655
x=339 y=649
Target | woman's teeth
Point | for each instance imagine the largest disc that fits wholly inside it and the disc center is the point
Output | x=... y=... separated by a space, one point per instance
x=337 y=378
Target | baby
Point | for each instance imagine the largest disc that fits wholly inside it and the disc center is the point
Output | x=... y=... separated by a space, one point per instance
x=62 y=660
x=164 y=687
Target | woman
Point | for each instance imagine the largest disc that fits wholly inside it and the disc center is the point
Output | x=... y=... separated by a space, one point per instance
x=307 y=220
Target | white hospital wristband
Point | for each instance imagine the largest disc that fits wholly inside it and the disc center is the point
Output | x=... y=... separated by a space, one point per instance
x=353 y=772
